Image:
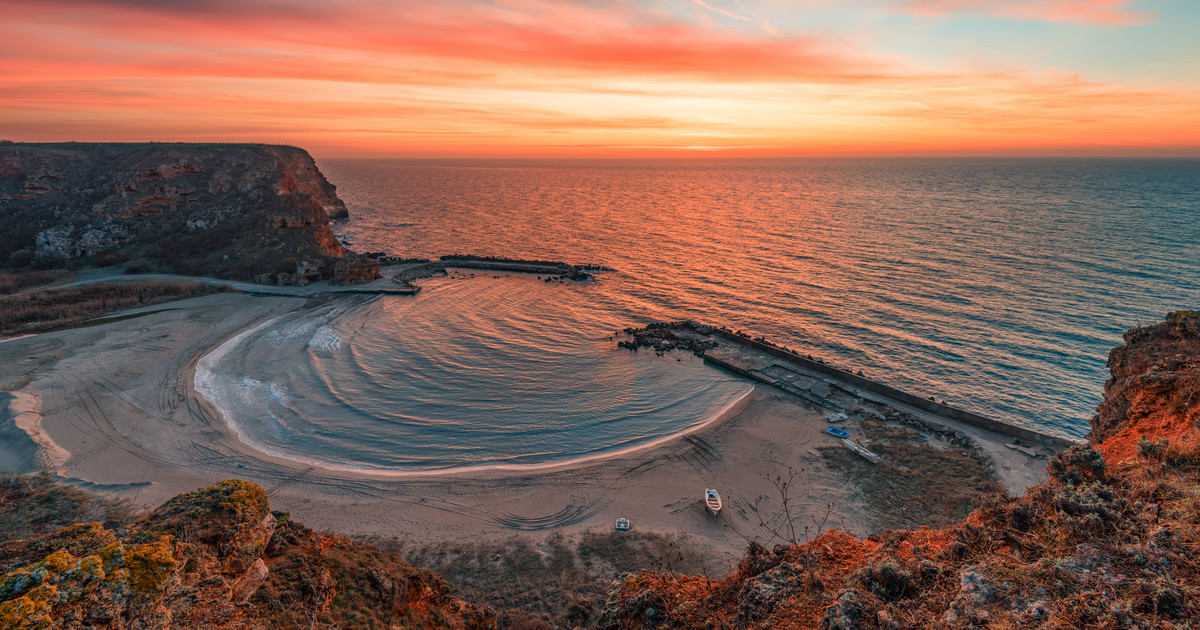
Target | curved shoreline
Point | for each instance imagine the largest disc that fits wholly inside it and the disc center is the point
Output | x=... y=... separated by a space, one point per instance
x=121 y=398
x=24 y=410
x=203 y=373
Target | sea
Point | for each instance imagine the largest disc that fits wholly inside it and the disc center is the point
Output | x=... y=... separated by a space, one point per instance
x=997 y=285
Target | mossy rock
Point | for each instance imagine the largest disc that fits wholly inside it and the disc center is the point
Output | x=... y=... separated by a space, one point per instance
x=150 y=566
x=31 y=611
x=219 y=511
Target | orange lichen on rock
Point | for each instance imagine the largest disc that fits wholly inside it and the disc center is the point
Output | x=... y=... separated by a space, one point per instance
x=151 y=566
x=31 y=610
x=237 y=567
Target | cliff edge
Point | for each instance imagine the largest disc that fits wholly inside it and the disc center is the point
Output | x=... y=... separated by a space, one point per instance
x=237 y=211
x=218 y=558
x=1154 y=388
x=1109 y=542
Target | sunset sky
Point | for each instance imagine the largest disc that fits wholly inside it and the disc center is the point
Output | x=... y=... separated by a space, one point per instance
x=595 y=78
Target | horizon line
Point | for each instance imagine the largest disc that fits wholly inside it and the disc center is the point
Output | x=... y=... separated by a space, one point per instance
x=680 y=152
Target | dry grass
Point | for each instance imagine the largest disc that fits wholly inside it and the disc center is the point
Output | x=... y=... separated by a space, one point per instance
x=41 y=311
x=898 y=488
x=13 y=281
x=559 y=582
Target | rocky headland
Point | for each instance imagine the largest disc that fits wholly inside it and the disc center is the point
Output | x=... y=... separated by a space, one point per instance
x=234 y=211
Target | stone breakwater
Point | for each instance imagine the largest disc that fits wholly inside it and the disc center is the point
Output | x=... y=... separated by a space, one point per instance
x=424 y=268
x=662 y=336
x=699 y=338
x=549 y=267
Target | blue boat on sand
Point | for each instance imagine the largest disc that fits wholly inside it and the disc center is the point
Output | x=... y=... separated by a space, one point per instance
x=834 y=431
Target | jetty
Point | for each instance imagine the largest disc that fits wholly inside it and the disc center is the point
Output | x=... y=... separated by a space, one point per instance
x=1017 y=455
x=409 y=271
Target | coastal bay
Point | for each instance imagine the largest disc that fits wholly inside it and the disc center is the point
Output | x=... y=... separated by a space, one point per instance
x=120 y=400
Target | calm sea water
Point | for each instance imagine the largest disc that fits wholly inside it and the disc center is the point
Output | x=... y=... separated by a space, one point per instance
x=472 y=372
x=998 y=285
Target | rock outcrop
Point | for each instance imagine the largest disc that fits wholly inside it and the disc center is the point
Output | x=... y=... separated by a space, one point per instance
x=1154 y=388
x=218 y=558
x=231 y=211
x=1109 y=542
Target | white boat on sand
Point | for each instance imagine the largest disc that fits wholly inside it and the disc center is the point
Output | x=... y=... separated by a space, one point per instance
x=861 y=451
x=712 y=501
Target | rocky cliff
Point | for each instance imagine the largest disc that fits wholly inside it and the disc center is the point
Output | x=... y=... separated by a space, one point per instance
x=232 y=211
x=1154 y=388
x=1109 y=542
x=218 y=558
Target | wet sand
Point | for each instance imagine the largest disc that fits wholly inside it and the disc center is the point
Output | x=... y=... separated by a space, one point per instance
x=118 y=413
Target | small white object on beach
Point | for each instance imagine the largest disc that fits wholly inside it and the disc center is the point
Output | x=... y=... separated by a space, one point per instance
x=712 y=501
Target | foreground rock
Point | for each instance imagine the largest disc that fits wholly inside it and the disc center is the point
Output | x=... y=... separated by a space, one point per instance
x=1109 y=542
x=218 y=558
x=231 y=211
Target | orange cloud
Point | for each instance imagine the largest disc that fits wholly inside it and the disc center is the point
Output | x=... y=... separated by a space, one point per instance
x=526 y=77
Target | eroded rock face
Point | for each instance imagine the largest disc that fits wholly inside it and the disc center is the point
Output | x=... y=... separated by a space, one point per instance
x=1154 y=387
x=232 y=211
x=219 y=558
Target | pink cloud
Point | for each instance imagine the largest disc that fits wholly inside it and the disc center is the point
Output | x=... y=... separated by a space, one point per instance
x=546 y=36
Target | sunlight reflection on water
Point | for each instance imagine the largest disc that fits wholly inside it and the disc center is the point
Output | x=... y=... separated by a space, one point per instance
x=999 y=285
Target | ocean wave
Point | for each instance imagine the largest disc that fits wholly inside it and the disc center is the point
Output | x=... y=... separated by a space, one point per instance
x=325 y=341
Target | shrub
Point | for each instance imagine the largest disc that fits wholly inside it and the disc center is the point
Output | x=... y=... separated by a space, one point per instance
x=1077 y=465
x=1183 y=454
x=886 y=579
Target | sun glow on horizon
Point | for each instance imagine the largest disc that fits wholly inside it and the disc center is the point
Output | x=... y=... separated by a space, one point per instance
x=562 y=78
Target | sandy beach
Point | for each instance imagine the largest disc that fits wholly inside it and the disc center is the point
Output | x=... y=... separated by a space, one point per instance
x=113 y=408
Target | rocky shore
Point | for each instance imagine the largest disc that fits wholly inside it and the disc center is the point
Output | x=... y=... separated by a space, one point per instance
x=231 y=211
